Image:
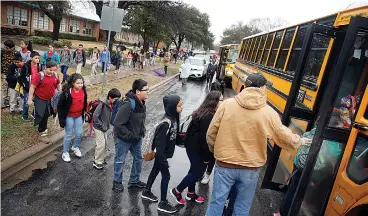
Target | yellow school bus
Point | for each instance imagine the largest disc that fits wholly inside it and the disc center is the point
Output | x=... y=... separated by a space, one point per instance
x=228 y=54
x=319 y=75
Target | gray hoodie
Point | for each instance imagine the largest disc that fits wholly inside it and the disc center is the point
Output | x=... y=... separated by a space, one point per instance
x=101 y=117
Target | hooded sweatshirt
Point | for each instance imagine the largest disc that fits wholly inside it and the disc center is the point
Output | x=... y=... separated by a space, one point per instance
x=165 y=138
x=239 y=130
x=129 y=123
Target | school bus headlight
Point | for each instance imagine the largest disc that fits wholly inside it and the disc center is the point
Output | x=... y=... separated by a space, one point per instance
x=229 y=73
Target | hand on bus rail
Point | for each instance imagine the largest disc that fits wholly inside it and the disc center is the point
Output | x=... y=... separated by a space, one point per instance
x=305 y=141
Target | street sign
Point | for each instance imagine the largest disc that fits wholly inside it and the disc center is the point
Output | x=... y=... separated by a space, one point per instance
x=111 y=18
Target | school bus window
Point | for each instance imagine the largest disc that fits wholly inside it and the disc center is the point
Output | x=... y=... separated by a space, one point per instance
x=295 y=53
x=275 y=47
x=242 y=49
x=255 y=46
x=263 y=39
x=353 y=81
x=316 y=56
x=358 y=165
x=248 y=48
x=267 y=48
x=285 y=48
x=254 y=41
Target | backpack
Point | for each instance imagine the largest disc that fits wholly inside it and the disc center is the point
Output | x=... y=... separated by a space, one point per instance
x=114 y=59
x=180 y=139
x=42 y=77
x=148 y=150
x=117 y=105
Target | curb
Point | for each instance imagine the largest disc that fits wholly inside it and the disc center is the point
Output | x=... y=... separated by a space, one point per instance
x=21 y=160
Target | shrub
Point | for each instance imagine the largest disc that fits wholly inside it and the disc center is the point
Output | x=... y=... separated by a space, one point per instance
x=41 y=40
x=13 y=31
x=62 y=43
x=65 y=36
x=46 y=41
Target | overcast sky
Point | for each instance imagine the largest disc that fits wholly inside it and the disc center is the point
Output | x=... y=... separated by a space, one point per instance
x=226 y=12
x=223 y=13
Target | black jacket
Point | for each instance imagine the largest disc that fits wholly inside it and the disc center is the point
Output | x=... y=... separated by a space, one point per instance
x=128 y=123
x=11 y=77
x=195 y=140
x=64 y=104
x=25 y=74
x=165 y=137
x=102 y=116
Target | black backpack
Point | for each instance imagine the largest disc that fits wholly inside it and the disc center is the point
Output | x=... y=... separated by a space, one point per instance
x=114 y=59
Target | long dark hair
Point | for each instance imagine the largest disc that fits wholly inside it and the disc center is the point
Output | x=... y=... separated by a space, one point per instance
x=208 y=106
x=71 y=80
x=28 y=44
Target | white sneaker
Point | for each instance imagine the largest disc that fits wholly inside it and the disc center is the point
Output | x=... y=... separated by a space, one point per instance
x=205 y=179
x=66 y=156
x=77 y=152
x=45 y=133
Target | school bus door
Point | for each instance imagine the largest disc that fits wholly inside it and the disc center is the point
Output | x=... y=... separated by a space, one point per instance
x=348 y=174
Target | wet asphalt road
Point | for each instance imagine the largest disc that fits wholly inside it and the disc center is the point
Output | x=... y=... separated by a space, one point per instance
x=77 y=188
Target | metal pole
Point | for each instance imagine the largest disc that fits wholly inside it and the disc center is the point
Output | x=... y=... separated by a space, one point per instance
x=107 y=49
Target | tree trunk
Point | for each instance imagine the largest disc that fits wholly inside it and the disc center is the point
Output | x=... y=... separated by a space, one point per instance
x=56 y=29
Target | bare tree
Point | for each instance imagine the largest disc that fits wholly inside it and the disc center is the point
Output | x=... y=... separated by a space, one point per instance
x=55 y=11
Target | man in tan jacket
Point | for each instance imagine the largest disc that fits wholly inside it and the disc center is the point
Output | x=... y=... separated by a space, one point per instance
x=238 y=137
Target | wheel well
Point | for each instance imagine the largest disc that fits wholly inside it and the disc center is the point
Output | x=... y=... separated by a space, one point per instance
x=358 y=211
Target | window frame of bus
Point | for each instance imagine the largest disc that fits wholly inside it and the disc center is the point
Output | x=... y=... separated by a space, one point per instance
x=285 y=48
x=254 y=48
x=328 y=100
x=266 y=57
x=245 y=49
x=249 y=48
x=260 y=49
x=242 y=47
x=275 y=47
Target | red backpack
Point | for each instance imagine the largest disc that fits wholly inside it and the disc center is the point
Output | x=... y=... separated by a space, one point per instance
x=88 y=116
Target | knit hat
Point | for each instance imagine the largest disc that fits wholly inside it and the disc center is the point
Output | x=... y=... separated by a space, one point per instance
x=256 y=80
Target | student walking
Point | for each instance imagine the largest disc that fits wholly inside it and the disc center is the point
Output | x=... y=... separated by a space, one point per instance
x=66 y=61
x=101 y=124
x=129 y=59
x=104 y=59
x=197 y=148
x=12 y=78
x=164 y=142
x=119 y=57
x=79 y=57
x=238 y=159
x=26 y=49
x=43 y=87
x=128 y=132
x=50 y=55
x=71 y=107
x=7 y=55
x=95 y=57
x=29 y=69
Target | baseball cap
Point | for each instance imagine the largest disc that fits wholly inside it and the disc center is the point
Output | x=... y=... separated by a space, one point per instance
x=256 y=80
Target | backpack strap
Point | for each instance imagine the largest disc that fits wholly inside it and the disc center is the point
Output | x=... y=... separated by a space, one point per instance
x=132 y=103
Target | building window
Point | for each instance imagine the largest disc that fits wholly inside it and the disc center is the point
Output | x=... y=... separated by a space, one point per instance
x=40 y=20
x=17 y=16
x=63 y=25
x=74 y=26
x=87 y=29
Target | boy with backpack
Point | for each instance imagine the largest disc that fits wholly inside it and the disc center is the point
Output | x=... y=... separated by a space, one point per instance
x=30 y=68
x=79 y=57
x=43 y=86
x=101 y=124
x=164 y=141
x=12 y=78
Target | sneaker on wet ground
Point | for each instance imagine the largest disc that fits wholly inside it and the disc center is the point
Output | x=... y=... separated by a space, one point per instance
x=177 y=196
x=44 y=133
x=97 y=166
x=65 y=156
x=205 y=179
x=76 y=151
x=138 y=185
x=194 y=197
x=148 y=195
x=165 y=206
x=117 y=186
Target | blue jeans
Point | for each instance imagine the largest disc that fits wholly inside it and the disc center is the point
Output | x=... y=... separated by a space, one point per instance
x=64 y=70
x=196 y=171
x=71 y=124
x=25 y=105
x=121 y=151
x=288 y=197
x=245 y=181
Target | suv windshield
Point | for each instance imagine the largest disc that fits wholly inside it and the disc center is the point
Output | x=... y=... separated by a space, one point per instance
x=197 y=62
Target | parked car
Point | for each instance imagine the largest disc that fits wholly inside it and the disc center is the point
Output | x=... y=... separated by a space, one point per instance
x=198 y=67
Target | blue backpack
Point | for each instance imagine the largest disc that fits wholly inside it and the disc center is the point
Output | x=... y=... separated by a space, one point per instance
x=116 y=105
